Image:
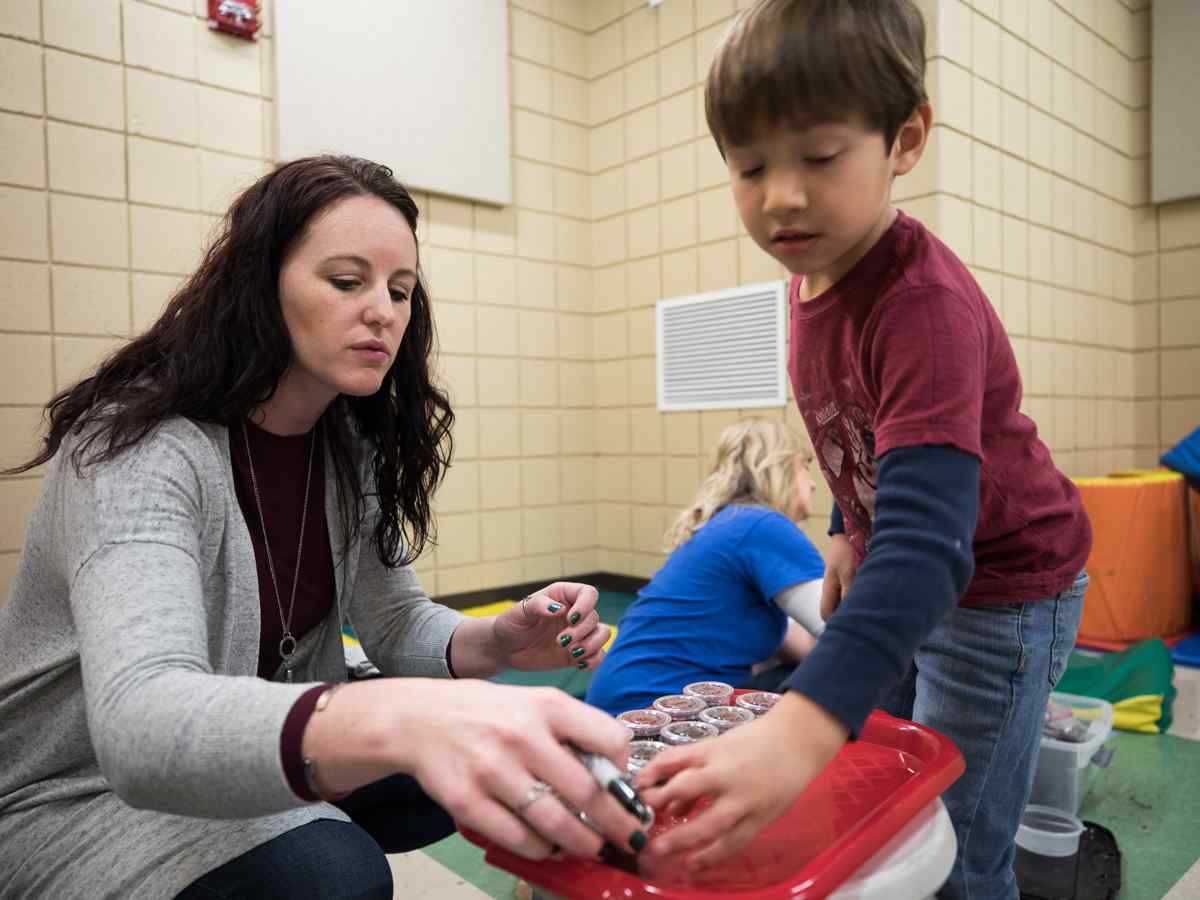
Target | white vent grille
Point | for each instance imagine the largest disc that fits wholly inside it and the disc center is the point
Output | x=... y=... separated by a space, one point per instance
x=724 y=349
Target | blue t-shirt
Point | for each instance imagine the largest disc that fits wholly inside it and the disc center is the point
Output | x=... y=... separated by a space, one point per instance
x=708 y=613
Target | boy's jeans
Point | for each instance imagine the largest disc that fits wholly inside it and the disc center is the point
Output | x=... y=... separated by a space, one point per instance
x=983 y=678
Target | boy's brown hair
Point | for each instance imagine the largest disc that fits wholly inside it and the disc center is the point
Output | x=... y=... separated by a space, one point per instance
x=803 y=62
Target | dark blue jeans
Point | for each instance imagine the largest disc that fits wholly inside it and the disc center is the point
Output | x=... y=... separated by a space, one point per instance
x=330 y=860
x=982 y=678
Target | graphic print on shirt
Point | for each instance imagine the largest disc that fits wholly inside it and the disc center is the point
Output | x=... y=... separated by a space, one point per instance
x=844 y=443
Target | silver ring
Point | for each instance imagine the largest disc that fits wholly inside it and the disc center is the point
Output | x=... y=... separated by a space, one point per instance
x=536 y=791
x=524 y=608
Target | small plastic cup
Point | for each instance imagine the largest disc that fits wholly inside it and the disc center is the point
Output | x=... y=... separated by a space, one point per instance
x=758 y=702
x=713 y=693
x=1047 y=831
x=644 y=723
x=725 y=717
x=641 y=752
x=680 y=707
x=687 y=733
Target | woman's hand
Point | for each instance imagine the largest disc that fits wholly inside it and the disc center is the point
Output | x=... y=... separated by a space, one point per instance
x=554 y=627
x=839 y=573
x=753 y=774
x=485 y=752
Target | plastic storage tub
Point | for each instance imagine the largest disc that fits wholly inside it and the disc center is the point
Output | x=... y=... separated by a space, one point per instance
x=1065 y=771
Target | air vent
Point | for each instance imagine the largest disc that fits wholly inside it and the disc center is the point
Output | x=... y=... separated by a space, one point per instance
x=724 y=349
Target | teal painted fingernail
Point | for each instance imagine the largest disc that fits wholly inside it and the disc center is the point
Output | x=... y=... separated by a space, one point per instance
x=564 y=640
x=578 y=652
x=574 y=618
x=554 y=607
x=583 y=665
x=637 y=841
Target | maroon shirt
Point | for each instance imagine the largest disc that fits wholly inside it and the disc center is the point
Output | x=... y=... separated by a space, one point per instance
x=905 y=350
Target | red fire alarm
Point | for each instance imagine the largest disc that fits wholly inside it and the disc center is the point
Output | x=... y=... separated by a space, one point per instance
x=236 y=17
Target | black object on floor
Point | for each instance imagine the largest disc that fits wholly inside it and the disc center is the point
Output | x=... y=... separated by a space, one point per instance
x=1094 y=873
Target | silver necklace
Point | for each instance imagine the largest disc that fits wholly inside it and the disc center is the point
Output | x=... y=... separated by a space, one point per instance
x=287 y=643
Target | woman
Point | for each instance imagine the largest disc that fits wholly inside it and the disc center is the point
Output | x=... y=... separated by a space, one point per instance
x=225 y=493
x=739 y=568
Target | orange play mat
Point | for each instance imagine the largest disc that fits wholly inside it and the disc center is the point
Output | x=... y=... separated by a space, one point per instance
x=1141 y=574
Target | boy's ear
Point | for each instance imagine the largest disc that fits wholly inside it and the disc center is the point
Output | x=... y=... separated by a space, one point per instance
x=910 y=140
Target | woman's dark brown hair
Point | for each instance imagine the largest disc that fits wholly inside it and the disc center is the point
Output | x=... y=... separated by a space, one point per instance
x=804 y=62
x=220 y=347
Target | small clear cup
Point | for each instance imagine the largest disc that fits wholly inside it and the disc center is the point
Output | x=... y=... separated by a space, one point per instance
x=713 y=693
x=758 y=702
x=726 y=717
x=680 y=707
x=644 y=723
x=687 y=733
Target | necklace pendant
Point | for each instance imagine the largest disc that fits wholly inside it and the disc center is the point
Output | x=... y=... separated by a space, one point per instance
x=287 y=649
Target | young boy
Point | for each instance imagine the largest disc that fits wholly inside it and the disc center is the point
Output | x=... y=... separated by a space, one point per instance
x=956 y=567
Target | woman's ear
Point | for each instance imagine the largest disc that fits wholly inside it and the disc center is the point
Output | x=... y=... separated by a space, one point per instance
x=910 y=140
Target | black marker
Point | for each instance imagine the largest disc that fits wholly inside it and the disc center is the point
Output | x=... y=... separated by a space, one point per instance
x=609 y=777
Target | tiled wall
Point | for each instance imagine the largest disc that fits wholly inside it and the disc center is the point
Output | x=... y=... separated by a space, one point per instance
x=126 y=126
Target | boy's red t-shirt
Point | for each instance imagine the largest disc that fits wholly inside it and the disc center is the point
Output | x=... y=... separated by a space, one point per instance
x=906 y=350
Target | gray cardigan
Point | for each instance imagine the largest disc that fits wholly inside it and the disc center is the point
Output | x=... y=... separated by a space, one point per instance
x=138 y=750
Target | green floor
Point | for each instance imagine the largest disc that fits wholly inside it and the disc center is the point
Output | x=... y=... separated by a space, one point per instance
x=1149 y=797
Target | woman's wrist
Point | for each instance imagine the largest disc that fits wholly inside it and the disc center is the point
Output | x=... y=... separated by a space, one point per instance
x=475 y=651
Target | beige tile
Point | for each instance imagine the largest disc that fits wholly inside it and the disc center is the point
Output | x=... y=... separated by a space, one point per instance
x=535 y=235
x=578 y=380
x=571 y=12
x=570 y=51
x=612 y=383
x=535 y=284
x=25 y=369
x=1177 y=273
x=1179 y=224
x=227 y=61
x=612 y=431
x=678 y=174
x=643 y=232
x=640 y=33
x=573 y=285
x=499 y=434
x=84 y=26
x=150 y=296
x=641 y=83
x=608 y=241
x=641 y=132
x=20 y=76
x=706 y=42
x=449 y=223
x=20 y=438
x=604 y=50
x=950 y=90
x=18 y=497
x=76 y=357
x=497 y=278
x=611 y=337
x=530 y=86
x=679 y=223
x=711 y=170
x=569 y=98
x=223 y=177
x=676 y=120
x=26 y=289
x=641 y=183
x=166 y=240
x=575 y=336
x=610 y=288
x=612 y=479
x=457 y=374
x=449 y=274
x=459 y=492
x=24 y=159
x=676 y=67
x=539 y=432
x=532 y=136
x=498 y=382
x=531 y=37
x=755 y=264
x=229 y=122
x=455 y=327
x=501 y=535
x=89 y=232
x=498 y=330
x=1180 y=372
x=606 y=97
x=579 y=530
x=20 y=18
x=606 y=145
x=608 y=193
x=538 y=334
x=164 y=174
x=680 y=273
x=543 y=531
x=1179 y=323
x=718 y=265
x=676 y=20
x=572 y=241
x=533 y=185
x=645 y=281
x=717 y=215
x=86 y=160
x=162 y=107
x=539 y=482
x=91 y=301
x=159 y=39
x=458 y=539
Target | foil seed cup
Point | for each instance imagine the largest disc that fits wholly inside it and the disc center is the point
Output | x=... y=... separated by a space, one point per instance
x=758 y=702
x=726 y=717
x=713 y=693
x=687 y=732
x=680 y=707
x=644 y=723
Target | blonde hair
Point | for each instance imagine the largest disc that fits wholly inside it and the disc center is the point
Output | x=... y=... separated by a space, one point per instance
x=755 y=462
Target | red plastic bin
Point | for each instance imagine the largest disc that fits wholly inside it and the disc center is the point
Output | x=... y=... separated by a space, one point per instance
x=873 y=787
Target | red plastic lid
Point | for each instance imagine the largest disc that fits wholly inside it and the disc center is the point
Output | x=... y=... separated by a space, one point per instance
x=871 y=789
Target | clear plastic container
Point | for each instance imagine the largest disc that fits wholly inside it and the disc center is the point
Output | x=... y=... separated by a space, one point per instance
x=644 y=723
x=680 y=707
x=726 y=717
x=713 y=693
x=758 y=702
x=1065 y=770
x=687 y=732
x=640 y=754
x=1048 y=832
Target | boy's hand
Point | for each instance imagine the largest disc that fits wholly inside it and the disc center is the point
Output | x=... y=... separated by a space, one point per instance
x=839 y=572
x=751 y=784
